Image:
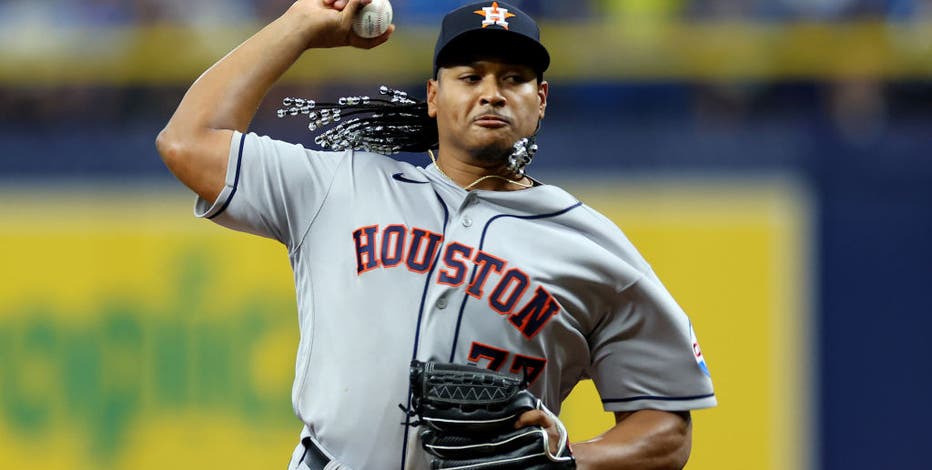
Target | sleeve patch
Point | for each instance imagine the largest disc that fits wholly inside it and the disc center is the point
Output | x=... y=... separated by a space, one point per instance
x=697 y=352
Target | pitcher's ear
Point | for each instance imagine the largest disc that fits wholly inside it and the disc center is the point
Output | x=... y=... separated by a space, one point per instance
x=432 y=88
x=542 y=91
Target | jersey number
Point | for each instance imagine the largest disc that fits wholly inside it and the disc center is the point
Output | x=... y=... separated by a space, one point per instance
x=497 y=357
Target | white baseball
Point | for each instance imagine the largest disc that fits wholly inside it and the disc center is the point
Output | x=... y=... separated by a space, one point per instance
x=373 y=20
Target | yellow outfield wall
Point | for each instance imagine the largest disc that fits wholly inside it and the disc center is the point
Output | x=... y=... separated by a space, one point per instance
x=133 y=336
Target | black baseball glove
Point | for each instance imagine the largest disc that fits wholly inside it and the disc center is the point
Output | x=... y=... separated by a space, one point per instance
x=467 y=417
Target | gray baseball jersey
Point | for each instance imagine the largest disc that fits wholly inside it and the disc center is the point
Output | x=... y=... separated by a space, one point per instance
x=393 y=262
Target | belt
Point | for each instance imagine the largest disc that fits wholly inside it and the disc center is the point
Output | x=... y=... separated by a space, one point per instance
x=314 y=457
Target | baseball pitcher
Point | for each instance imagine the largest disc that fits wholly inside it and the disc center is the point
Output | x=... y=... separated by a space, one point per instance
x=445 y=311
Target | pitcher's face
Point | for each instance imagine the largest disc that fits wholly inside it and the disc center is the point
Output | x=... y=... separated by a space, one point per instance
x=484 y=107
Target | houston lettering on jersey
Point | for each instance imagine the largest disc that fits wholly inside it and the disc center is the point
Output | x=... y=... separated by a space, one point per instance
x=502 y=286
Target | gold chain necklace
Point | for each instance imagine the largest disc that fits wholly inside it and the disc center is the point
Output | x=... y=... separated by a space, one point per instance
x=478 y=180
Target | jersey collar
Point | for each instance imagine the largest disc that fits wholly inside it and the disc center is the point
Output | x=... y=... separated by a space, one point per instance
x=540 y=199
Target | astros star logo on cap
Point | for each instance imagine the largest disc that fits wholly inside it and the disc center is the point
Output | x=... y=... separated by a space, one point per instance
x=495 y=15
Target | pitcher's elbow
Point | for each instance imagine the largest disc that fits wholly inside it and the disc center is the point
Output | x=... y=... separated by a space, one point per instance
x=170 y=148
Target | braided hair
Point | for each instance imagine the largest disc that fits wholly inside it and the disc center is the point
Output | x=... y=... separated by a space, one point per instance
x=388 y=126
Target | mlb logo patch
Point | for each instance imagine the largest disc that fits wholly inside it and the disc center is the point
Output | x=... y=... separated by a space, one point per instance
x=697 y=352
x=494 y=16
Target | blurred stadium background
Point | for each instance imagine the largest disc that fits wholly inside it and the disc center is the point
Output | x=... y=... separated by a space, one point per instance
x=771 y=158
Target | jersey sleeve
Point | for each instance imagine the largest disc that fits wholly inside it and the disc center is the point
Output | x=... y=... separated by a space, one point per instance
x=272 y=188
x=646 y=356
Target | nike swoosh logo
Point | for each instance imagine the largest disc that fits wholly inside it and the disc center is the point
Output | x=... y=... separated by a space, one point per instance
x=401 y=177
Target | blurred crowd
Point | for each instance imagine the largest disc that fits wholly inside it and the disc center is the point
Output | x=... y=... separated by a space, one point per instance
x=858 y=107
x=207 y=12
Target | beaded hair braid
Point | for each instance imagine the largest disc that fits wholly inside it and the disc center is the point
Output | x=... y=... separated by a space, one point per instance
x=386 y=126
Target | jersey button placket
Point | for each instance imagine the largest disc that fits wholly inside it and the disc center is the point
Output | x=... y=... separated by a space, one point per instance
x=470 y=201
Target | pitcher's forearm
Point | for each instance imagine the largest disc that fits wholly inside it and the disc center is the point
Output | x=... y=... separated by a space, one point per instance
x=642 y=440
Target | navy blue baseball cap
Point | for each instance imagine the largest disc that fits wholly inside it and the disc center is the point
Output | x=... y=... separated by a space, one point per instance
x=490 y=29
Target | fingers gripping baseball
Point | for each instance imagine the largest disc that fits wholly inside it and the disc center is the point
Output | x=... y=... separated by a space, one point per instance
x=331 y=23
